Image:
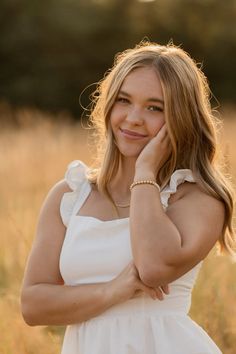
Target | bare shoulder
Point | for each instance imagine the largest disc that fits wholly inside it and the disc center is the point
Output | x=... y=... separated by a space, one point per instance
x=50 y=221
x=198 y=216
x=50 y=233
x=193 y=193
x=56 y=192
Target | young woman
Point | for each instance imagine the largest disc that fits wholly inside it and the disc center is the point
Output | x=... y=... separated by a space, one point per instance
x=118 y=248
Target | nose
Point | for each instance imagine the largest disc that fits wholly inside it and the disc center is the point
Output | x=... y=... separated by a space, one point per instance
x=135 y=116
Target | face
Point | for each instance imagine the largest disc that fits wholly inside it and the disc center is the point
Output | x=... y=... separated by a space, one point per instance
x=138 y=112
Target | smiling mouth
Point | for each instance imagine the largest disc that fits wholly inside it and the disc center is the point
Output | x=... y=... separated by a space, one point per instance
x=132 y=134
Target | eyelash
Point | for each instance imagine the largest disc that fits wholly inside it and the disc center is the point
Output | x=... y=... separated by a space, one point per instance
x=125 y=100
x=122 y=100
x=156 y=109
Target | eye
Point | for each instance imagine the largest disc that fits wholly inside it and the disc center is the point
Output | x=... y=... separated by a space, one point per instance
x=122 y=100
x=155 y=109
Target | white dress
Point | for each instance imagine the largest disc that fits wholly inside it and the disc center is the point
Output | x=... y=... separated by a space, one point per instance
x=97 y=251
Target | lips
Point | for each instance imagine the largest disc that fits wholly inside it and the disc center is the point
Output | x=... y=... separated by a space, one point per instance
x=132 y=133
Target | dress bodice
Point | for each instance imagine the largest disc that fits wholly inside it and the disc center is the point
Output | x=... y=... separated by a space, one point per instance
x=80 y=188
x=97 y=251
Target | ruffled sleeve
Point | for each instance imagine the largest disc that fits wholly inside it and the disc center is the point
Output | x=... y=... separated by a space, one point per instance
x=178 y=177
x=75 y=177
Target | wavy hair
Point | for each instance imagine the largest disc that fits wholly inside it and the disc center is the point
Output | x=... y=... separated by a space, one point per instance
x=190 y=123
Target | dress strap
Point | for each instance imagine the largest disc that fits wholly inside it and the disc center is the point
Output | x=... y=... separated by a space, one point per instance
x=76 y=179
x=83 y=195
x=178 y=177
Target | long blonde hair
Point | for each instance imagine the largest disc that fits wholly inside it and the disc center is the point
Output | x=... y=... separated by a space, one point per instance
x=188 y=115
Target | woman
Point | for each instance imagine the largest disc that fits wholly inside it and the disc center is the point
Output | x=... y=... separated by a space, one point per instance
x=118 y=248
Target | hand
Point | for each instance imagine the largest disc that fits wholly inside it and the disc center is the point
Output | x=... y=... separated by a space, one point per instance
x=155 y=153
x=128 y=285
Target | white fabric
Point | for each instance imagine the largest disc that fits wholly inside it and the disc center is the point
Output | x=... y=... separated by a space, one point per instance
x=75 y=177
x=178 y=177
x=97 y=251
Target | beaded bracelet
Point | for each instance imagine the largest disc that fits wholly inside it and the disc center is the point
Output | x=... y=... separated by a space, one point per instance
x=145 y=182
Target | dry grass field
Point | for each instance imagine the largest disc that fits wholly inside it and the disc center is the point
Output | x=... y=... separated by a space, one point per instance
x=32 y=158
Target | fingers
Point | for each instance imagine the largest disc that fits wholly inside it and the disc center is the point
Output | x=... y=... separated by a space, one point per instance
x=159 y=294
x=150 y=291
x=165 y=289
x=155 y=293
x=165 y=138
x=163 y=132
x=163 y=135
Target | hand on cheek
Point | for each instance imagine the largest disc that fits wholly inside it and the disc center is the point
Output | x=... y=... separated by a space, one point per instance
x=156 y=152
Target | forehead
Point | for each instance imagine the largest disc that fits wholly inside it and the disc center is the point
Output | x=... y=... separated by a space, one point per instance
x=143 y=81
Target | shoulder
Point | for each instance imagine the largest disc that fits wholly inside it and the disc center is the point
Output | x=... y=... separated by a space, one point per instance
x=50 y=209
x=50 y=234
x=197 y=214
x=54 y=196
x=193 y=193
x=186 y=196
x=75 y=176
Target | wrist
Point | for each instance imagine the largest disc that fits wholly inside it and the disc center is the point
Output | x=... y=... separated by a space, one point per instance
x=110 y=295
x=144 y=174
x=142 y=182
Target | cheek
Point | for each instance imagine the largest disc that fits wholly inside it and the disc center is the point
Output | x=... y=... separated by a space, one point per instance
x=155 y=126
x=115 y=116
x=112 y=121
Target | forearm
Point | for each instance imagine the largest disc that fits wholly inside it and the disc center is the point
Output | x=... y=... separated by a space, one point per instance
x=156 y=241
x=49 y=304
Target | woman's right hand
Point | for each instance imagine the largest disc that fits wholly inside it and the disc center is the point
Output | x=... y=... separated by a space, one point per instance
x=128 y=285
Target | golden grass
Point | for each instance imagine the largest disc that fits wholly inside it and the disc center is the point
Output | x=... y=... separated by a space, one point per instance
x=32 y=159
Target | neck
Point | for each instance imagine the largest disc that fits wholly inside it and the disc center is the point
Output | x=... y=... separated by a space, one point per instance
x=119 y=185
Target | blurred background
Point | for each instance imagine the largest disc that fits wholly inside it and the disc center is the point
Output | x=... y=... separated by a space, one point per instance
x=52 y=54
x=50 y=51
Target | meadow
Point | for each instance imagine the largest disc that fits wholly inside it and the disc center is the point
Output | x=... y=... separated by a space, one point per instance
x=34 y=154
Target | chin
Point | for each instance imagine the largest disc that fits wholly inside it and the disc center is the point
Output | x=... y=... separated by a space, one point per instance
x=130 y=156
x=130 y=149
x=133 y=153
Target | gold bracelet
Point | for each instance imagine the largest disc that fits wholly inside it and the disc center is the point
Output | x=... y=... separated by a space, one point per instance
x=145 y=182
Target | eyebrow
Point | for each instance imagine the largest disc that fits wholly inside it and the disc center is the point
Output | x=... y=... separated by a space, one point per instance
x=151 y=99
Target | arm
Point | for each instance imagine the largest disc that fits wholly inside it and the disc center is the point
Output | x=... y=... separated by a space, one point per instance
x=45 y=300
x=167 y=245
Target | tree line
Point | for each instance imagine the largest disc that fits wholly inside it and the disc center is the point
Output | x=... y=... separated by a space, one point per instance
x=51 y=51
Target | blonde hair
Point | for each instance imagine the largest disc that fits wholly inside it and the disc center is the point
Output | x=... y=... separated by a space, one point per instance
x=189 y=119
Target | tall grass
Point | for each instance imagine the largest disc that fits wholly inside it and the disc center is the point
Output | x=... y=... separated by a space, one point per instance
x=33 y=156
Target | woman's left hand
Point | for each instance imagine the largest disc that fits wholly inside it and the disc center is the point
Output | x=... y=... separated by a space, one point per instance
x=155 y=153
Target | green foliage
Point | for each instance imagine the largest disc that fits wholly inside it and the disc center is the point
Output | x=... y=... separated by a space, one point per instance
x=50 y=51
